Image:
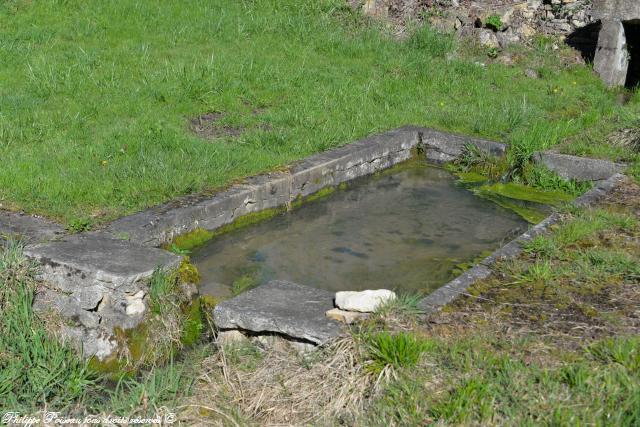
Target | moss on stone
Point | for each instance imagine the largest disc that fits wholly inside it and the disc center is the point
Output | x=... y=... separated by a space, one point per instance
x=248 y=219
x=113 y=368
x=191 y=240
x=244 y=283
x=193 y=324
x=530 y=214
x=208 y=302
x=187 y=272
x=471 y=178
x=516 y=191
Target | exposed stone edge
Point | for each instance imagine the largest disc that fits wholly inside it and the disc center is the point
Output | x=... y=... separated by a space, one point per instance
x=160 y=224
x=578 y=168
x=450 y=291
x=29 y=228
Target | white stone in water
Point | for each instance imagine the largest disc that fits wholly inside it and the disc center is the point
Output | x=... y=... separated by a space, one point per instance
x=365 y=301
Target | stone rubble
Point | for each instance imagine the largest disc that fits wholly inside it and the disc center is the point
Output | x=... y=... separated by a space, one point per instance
x=521 y=19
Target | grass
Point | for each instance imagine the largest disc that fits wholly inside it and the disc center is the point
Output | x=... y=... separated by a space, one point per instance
x=95 y=98
x=35 y=370
x=392 y=350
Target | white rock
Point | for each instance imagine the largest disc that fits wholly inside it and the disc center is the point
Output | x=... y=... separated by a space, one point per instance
x=135 y=307
x=365 y=301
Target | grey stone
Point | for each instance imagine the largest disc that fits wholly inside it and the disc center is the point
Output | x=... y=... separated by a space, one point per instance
x=599 y=191
x=366 y=301
x=28 y=228
x=442 y=147
x=578 y=168
x=280 y=307
x=623 y=10
x=487 y=38
x=90 y=342
x=87 y=260
x=67 y=305
x=611 y=61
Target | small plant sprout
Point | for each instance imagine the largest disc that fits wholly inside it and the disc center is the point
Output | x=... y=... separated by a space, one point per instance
x=494 y=22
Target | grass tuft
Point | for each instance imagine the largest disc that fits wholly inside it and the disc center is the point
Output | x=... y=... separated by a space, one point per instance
x=385 y=349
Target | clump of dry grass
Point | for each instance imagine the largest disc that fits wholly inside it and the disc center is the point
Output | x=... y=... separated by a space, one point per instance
x=284 y=388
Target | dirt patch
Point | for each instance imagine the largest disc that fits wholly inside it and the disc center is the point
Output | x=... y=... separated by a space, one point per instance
x=208 y=126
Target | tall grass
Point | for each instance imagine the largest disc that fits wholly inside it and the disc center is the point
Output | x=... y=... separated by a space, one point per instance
x=95 y=97
x=36 y=370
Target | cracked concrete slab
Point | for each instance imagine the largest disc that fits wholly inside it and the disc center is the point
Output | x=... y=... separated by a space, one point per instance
x=280 y=307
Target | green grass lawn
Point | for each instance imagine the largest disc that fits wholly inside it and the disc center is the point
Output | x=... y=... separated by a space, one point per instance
x=96 y=97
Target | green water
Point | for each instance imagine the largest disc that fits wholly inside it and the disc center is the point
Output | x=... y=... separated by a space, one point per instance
x=405 y=229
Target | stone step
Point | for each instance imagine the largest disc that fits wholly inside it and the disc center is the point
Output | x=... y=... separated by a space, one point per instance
x=280 y=307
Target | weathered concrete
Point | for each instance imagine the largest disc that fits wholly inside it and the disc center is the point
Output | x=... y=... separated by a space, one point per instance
x=458 y=286
x=611 y=61
x=280 y=307
x=28 y=228
x=161 y=224
x=578 y=168
x=96 y=283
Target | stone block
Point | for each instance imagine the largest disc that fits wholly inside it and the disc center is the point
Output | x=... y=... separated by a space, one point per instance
x=364 y=301
x=83 y=261
x=611 y=61
x=578 y=168
x=280 y=307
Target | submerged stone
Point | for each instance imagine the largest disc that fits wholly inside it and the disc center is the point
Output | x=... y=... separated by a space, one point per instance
x=280 y=307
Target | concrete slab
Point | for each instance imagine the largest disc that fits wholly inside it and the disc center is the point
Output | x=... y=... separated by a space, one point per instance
x=281 y=307
x=84 y=260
